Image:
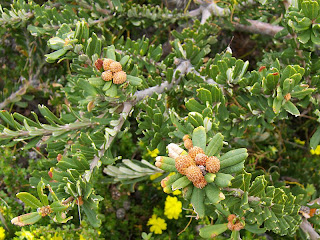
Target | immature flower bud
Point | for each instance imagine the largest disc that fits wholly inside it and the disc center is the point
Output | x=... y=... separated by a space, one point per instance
x=79 y=201
x=230 y=226
x=174 y=150
x=213 y=164
x=107 y=75
x=45 y=210
x=164 y=182
x=50 y=174
x=59 y=157
x=183 y=162
x=106 y=63
x=188 y=144
x=231 y=217
x=99 y=64
x=201 y=159
x=115 y=67
x=90 y=106
x=194 y=151
x=119 y=77
x=185 y=137
x=201 y=184
x=194 y=174
x=287 y=97
x=238 y=226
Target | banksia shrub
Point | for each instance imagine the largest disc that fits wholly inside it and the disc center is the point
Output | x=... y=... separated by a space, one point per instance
x=201 y=164
x=133 y=71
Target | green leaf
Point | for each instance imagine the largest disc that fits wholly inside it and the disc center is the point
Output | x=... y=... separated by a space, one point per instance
x=87 y=87
x=182 y=182
x=233 y=157
x=112 y=91
x=199 y=137
x=310 y=8
x=29 y=199
x=212 y=231
x=214 y=145
x=97 y=81
x=58 y=206
x=134 y=81
x=223 y=180
x=117 y=4
x=48 y=114
x=233 y=169
x=124 y=60
x=52 y=57
x=26 y=219
x=204 y=95
x=56 y=43
x=272 y=80
x=257 y=186
x=213 y=193
x=291 y=108
x=43 y=197
x=90 y=211
x=305 y=36
x=193 y=106
x=111 y=53
x=315 y=139
x=197 y=201
x=276 y=106
x=195 y=119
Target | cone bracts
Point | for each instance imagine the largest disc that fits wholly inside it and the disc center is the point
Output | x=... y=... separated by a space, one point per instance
x=200 y=171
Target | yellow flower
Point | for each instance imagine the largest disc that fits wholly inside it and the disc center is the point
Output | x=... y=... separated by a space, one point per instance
x=297 y=140
x=157 y=224
x=81 y=237
x=172 y=207
x=55 y=237
x=176 y=192
x=316 y=151
x=154 y=176
x=28 y=235
x=154 y=153
x=2 y=233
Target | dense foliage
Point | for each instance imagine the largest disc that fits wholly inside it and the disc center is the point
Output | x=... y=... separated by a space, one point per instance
x=159 y=119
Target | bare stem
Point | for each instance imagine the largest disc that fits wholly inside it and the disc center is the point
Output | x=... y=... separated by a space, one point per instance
x=15 y=96
x=238 y=193
x=307 y=228
x=127 y=106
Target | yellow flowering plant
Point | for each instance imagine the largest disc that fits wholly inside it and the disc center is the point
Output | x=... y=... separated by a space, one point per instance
x=172 y=208
x=315 y=151
x=157 y=224
x=2 y=233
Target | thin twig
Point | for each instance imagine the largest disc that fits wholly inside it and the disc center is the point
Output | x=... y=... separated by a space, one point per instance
x=307 y=228
x=238 y=193
x=15 y=95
